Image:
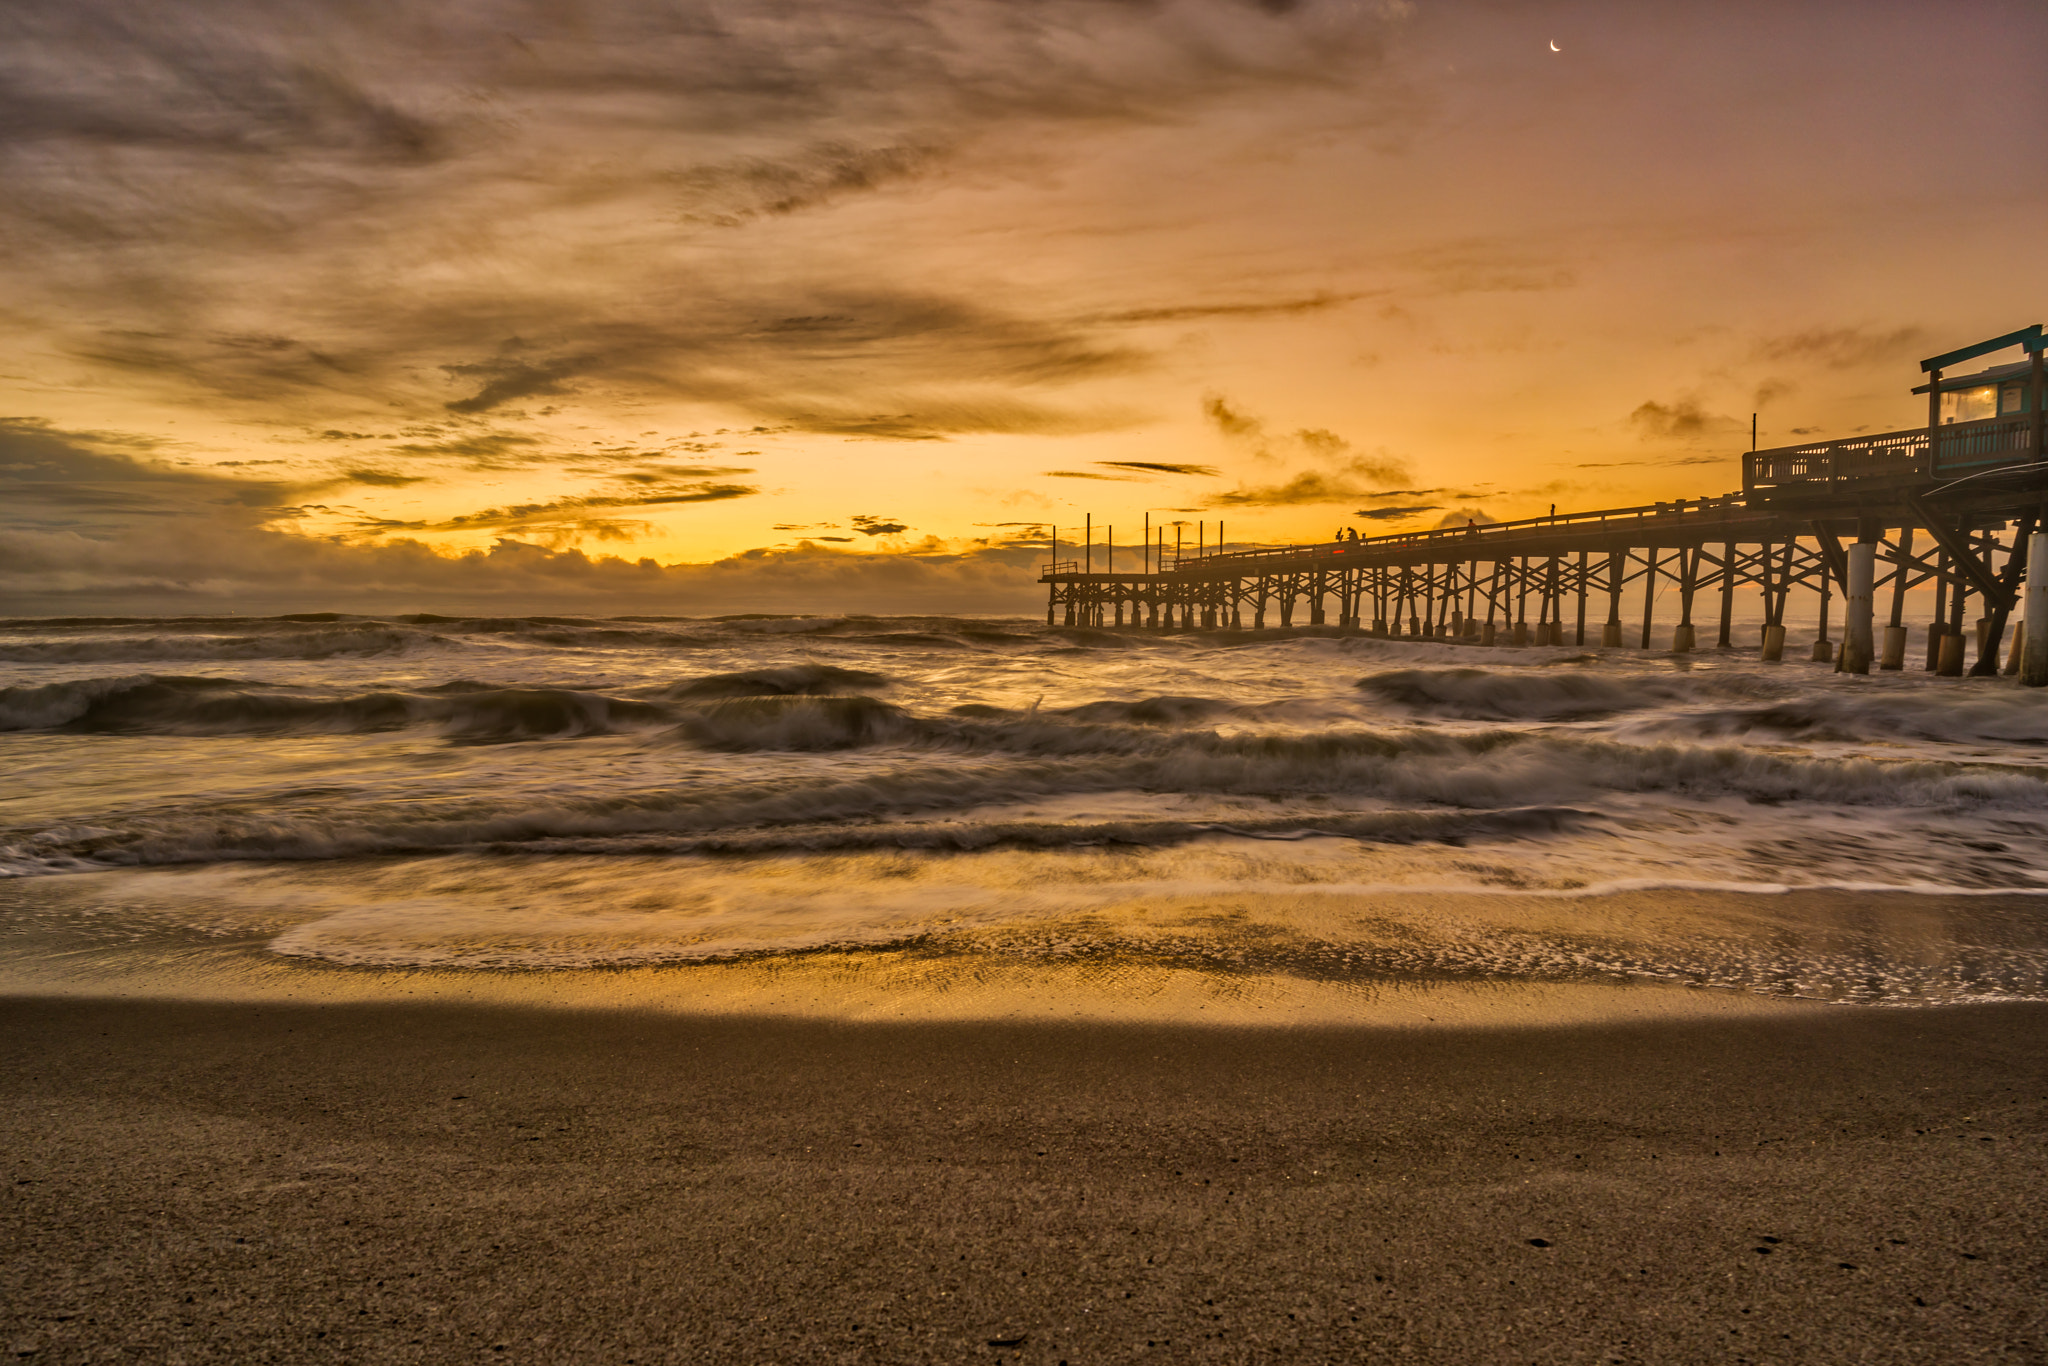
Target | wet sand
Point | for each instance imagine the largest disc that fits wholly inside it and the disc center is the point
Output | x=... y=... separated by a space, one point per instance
x=376 y=1182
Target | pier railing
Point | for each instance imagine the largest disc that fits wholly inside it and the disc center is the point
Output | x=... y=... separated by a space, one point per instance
x=1888 y=458
x=1961 y=448
x=1682 y=514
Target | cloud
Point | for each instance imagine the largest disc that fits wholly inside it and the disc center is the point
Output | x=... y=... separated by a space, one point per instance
x=1236 y=425
x=729 y=193
x=562 y=511
x=385 y=479
x=459 y=208
x=1660 y=464
x=1312 y=486
x=102 y=482
x=480 y=450
x=1461 y=518
x=878 y=526
x=1156 y=467
x=1294 y=307
x=1091 y=474
x=1682 y=419
x=1390 y=514
x=1842 y=348
x=163 y=567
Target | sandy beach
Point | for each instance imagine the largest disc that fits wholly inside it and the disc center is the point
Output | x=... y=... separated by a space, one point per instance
x=373 y=1182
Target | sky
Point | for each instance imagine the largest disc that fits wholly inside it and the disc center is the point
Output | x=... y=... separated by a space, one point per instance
x=643 y=306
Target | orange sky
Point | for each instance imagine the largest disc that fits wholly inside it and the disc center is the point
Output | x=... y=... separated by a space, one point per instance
x=302 y=306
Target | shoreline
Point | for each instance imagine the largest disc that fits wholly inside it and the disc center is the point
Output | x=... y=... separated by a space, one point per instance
x=389 y=1182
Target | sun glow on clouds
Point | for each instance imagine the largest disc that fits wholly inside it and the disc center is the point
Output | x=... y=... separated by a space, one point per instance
x=686 y=284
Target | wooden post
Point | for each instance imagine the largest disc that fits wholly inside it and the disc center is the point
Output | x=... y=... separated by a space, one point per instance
x=1895 y=632
x=2001 y=610
x=1649 y=591
x=1688 y=583
x=1580 y=637
x=1553 y=605
x=1773 y=649
x=1727 y=593
x=1933 y=422
x=1959 y=623
x=1938 y=626
x=1823 y=648
x=1610 y=634
x=2034 y=658
x=1486 y=632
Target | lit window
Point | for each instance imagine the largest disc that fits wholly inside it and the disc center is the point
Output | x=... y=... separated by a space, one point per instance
x=1970 y=405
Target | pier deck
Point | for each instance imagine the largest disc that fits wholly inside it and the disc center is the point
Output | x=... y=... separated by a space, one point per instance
x=1818 y=518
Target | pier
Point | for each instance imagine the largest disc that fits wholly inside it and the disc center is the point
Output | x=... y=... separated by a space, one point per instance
x=1958 y=504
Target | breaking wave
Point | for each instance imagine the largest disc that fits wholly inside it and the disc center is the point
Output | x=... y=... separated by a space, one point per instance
x=1484 y=695
x=223 y=706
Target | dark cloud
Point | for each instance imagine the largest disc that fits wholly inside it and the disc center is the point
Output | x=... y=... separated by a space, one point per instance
x=878 y=526
x=1156 y=467
x=411 y=186
x=1228 y=420
x=1314 y=303
x=1843 y=348
x=97 y=482
x=479 y=450
x=1345 y=483
x=1682 y=419
x=1305 y=488
x=729 y=193
x=566 y=510
x=1091 y=474
x=160 y=565
x=507 y=378
x=383 y=479
x=1659 y=464
x=1391 y=514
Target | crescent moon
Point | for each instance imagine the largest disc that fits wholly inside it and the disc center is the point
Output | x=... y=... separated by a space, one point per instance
x=1554 y=47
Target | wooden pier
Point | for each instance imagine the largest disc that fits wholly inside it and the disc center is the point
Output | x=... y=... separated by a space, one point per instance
x=1958 y=504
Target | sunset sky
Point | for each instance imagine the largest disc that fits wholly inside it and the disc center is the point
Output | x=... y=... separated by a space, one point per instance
x=358 y=304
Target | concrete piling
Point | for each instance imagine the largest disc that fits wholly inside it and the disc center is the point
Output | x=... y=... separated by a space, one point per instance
x=1950 y=663
x=1859 y=608
x=1894 y=648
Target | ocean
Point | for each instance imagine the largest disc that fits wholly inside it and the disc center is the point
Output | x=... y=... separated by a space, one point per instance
x=842 y=814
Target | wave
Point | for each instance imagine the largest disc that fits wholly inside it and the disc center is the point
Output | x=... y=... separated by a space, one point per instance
x=466 y=711
x=1472 y=774
x=1998 y=712
x=1483 y=695
x=320 y=644
x=787 y=681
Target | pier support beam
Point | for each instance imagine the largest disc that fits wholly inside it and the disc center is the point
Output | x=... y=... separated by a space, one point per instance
x=1859 y=608
x=1727 y=593
x=1649 y=592
x=1895 y=632
x=1610 y=633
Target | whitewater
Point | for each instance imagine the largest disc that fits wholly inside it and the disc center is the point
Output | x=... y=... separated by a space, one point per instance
x=525 y=794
